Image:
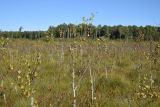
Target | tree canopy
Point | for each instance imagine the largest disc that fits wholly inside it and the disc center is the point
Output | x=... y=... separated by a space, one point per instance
x=88 y=30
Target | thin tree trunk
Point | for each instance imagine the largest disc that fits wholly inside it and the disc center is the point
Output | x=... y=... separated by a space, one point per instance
x=92 y=84
x=74 y=88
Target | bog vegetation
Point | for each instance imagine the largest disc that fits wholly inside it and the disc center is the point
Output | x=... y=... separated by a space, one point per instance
x=91 y=69
x=79 y=72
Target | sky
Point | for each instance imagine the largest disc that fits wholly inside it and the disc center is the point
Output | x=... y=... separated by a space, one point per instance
x=40 y=14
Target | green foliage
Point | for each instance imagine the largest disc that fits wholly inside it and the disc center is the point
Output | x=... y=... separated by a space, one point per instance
x=86 y=28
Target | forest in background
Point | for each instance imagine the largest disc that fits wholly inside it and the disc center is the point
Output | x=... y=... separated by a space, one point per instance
x=89 y=30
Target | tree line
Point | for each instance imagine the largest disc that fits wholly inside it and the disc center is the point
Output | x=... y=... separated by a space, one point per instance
x=91 y=31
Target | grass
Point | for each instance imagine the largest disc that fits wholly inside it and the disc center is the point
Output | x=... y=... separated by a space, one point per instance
x=125 y=62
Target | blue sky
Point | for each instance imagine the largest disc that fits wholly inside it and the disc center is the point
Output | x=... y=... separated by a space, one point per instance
x=40 y=14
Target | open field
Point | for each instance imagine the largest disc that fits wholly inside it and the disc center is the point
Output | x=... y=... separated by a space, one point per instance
x=82 y=73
